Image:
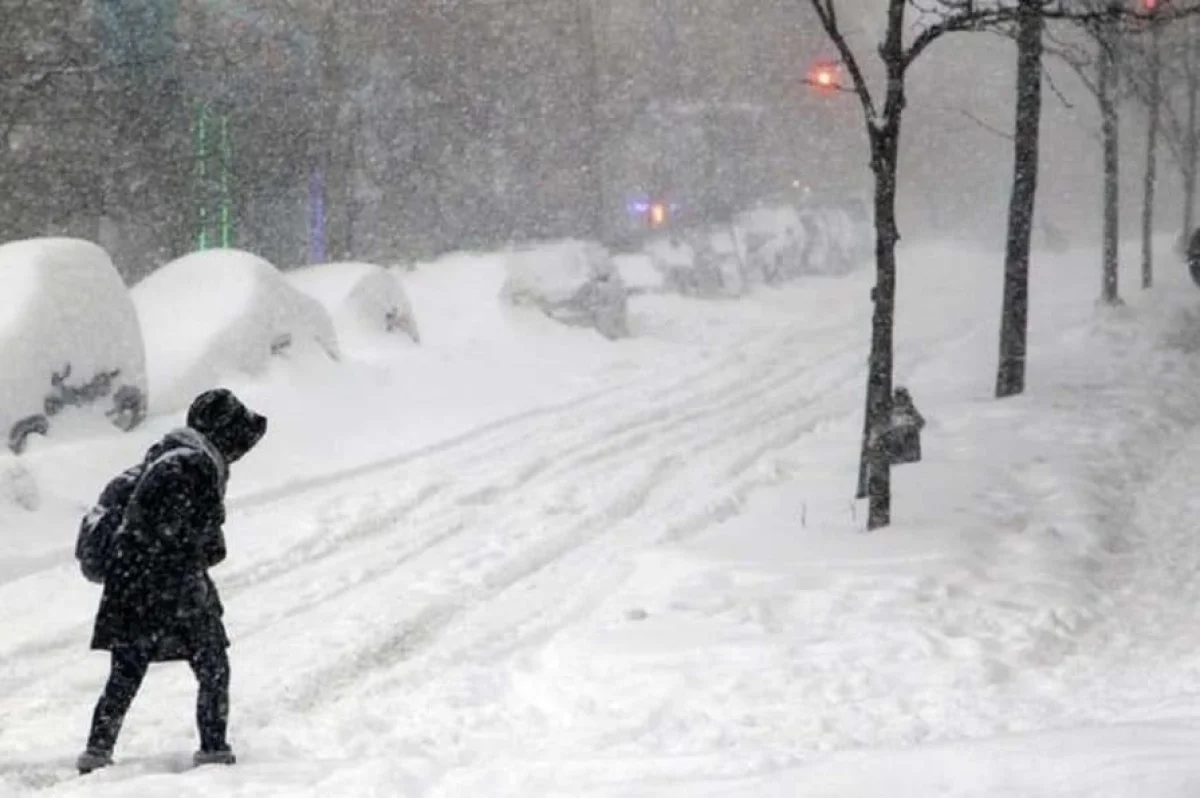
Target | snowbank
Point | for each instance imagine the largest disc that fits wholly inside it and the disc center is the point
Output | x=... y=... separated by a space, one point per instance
x=363 y=300
x=222 y=312
x=68 y=337
x=574 y=282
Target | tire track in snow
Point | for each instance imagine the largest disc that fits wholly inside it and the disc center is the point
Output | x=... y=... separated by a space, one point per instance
x=774 y=440
x=711 y=383
x=481 y=449
x=628 y=502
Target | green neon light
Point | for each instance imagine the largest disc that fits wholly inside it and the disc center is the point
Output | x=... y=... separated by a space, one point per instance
x=202 y=172
x=226 y=198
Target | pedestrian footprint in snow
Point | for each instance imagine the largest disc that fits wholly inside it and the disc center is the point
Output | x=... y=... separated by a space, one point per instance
x=150 y=540
x=904 y=433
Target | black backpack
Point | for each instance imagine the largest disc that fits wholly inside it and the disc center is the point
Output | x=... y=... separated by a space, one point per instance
x=98 y=529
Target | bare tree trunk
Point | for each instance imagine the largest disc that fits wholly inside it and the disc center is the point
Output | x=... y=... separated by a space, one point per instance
x=1150 y=178
x=885 y=160
x=885 y=144
x=1010 y=376
x=1190 y=147
x=1107 y=86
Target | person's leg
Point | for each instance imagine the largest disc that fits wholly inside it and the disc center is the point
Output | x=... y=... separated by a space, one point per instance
x=128 y=669
x=211 y=666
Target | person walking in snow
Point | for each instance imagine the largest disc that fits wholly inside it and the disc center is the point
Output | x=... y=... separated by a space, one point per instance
x=159 y=603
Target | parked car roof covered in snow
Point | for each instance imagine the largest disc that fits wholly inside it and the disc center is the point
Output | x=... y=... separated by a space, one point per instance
x=363 y=299
x=219 y=312
x=69 y=337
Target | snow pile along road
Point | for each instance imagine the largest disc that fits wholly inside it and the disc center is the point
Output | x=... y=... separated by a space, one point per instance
x=657 y=584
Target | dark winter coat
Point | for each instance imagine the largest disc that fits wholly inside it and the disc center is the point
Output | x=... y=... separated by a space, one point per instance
x=157 y=591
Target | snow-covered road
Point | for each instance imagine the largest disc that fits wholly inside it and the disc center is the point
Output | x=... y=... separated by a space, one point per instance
x=652 y=586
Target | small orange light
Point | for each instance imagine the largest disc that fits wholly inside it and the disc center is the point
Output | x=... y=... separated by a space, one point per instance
x=658 y=214
x=824 y=76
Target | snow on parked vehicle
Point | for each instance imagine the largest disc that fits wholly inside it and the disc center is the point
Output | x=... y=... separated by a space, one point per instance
x=783 y=242
x=364 y=300
x=69 y=337
x=222 y=312
x=574 y=282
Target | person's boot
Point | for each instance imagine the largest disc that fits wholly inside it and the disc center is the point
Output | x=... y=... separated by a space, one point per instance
x=93 y=759
x=220 y=756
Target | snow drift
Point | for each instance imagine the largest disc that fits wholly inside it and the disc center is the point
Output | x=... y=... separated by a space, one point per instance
x=69 y=337
x=363 y=300
x=222 y=312
x=574 y=282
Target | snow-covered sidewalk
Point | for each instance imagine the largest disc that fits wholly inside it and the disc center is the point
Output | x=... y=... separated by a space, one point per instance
x=651 y=580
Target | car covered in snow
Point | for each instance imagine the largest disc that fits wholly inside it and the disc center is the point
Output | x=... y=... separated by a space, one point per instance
x=364 y=300
x=783 y=242
x=69 y=338
x=220 y=312
x=573 y=282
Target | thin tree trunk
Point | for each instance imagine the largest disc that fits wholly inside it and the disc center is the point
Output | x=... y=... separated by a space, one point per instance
x=1110 y=293
x=884 y=133
x=1189 y=149
x=1010 y=376
x=1151 y=177
x=1188 y=145
x=885 y=151
x=864 y=452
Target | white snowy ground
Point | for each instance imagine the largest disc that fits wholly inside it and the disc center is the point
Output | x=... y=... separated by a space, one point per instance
x=523 y=561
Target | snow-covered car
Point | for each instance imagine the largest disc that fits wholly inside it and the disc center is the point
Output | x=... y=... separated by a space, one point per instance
x=701 y=262
x=573 y=282
x=69 y=338
x=774 y=242
x=639 y=273
x=221 y=312
x=784 y=242
x=364 y=300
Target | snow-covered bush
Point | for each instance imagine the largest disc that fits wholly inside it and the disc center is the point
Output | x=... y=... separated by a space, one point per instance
x=364 y=300
x=574 y=282
x=69 y=337
x=221 y=312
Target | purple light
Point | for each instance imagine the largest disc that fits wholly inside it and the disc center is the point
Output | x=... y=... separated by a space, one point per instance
x=316 y=219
